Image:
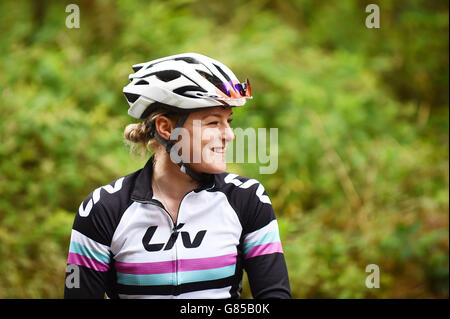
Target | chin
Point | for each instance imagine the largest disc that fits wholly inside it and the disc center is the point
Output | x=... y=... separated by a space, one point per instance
x=210 y=168
x=217 y=169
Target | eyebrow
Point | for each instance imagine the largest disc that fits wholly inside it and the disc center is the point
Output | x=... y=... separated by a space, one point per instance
x=215 y=114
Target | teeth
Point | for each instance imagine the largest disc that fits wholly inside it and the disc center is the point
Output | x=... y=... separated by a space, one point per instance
x=218 y=150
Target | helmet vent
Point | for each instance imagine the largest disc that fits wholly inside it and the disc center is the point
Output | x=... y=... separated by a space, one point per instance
x=211 y=78
x=142 y=82
x=214 y=80
x=183 y=89
x=187 y=60
x=136 y=68
x=222 y=72
x=167 y=76
x=131 y=97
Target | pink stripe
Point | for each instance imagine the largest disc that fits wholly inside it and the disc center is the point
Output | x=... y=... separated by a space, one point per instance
x=160 y=267
x=81 y=260
x=265 y=249
x=163 y=267
x=206 y=263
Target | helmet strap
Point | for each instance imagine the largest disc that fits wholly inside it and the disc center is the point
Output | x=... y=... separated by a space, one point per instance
x=168 y=144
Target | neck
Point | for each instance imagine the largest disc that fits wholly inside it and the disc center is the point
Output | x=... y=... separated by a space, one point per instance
x=170 y=180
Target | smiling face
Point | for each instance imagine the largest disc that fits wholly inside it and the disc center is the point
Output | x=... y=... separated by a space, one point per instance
x=209 y=133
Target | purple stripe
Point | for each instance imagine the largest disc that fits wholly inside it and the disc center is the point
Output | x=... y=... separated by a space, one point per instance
x=163 y=267
x=81 y=260
x=265 y=249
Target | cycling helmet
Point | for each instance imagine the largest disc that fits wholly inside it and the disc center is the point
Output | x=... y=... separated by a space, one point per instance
x=182 y=83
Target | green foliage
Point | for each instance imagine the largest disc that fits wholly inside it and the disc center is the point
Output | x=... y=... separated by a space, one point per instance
x=362 y=115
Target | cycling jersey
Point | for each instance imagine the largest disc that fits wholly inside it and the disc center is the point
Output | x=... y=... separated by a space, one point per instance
x=125 y=244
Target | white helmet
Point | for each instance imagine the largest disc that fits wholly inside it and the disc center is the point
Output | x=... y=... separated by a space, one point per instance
x=183 y=82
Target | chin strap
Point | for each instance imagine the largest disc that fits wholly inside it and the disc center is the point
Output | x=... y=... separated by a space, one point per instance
x=168 y=144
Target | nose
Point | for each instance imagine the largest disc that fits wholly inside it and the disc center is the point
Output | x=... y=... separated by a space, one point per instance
x=228 y=134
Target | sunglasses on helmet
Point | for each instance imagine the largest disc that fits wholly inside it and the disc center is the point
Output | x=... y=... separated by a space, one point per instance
x=234 y=90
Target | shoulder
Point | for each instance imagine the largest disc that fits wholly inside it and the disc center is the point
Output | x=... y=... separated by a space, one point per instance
x=112 y=196
x=243 y=187
x=248 y=198
x=100 y=212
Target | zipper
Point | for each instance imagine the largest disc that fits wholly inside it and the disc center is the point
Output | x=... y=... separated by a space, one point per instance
x=160 y=205
x=174 y=229
x=177 y=287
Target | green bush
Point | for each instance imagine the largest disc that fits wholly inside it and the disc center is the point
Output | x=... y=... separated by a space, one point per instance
x=362 y=118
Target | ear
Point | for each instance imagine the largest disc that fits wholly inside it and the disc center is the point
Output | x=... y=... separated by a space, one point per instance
x=164 y=126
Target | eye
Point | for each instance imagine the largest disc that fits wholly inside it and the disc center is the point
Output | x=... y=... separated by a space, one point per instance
x=213 y=123
x=230 y=120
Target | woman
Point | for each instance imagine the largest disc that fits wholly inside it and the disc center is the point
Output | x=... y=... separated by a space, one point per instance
x=180 y=227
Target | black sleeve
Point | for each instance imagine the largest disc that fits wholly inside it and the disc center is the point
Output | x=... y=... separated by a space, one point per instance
x=263 y=254
x=88 y=272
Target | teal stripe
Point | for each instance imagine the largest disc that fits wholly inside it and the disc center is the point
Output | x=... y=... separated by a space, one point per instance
x=145 y=280
x=267 y=238
x=207 y=274
x=90 y=253
x=169 y=278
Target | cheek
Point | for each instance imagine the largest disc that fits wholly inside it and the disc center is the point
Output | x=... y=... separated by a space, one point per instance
x=209 y=137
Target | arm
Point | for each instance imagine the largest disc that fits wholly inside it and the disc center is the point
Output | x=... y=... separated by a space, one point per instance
x=263 y=254
x=88 y=272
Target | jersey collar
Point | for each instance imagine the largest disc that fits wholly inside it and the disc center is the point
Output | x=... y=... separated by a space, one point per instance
x=142 y=190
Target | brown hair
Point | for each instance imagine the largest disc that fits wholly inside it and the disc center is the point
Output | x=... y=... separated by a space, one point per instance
x=138 y=137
